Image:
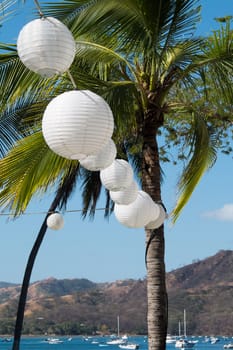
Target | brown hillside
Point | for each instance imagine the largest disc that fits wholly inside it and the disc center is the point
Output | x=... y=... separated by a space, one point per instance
x=204 y=289
x=214 y=270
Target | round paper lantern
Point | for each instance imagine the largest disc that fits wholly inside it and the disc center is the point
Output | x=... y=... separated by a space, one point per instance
x=159 y=218
x=126 y=196
x=55 y=221
x=77 y=123
x=102 y=159
x=118 y=176
x=136 y=214
x=46 y=46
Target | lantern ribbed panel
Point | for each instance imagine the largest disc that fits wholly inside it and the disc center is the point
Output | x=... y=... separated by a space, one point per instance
x=118 y=176
x=157 y=222
x=127 y=196
x=46 y=46
x=77 y=124
x=136 y=214
x=55 y=221
x=102 y=159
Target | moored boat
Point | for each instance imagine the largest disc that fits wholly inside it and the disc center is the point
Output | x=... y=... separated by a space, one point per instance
x=171 y=339
x=184 y=344
x=214 y=340
x=117 y=341
x=129 y=346
x=54 y=340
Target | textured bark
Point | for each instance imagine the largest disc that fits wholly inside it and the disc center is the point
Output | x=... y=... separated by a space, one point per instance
x=156 y=286
x=156 y=292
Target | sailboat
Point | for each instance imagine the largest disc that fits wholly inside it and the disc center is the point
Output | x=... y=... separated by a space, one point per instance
x=118 y=340
x=184 y=343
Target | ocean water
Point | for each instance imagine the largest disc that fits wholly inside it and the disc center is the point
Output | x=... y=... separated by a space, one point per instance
x=98 y=343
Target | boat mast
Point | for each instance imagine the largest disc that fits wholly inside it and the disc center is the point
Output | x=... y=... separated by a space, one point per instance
x=185 y=332
x=118 y=326
x=179 y=329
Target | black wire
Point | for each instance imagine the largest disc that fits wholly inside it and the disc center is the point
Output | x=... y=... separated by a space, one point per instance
x=153 y=234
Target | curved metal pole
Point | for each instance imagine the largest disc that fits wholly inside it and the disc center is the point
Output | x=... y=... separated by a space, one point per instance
x=27 y=276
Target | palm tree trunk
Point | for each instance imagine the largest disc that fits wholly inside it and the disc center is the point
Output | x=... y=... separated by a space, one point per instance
x=156 y=292
x=27 y=276
x=156 y=285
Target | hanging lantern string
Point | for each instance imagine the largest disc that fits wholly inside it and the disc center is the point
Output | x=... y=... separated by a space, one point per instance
x=39 y=8
x=48 y=212
x=71 y=79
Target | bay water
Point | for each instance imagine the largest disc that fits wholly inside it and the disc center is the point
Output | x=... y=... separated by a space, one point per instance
x=97 y=343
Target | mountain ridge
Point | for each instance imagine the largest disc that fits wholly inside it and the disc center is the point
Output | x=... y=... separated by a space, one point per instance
x=204 y=289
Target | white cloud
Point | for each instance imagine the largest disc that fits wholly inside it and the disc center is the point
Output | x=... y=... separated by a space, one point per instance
x=224 y=214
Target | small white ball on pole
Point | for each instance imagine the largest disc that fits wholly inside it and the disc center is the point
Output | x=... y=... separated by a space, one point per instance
x=55 y=221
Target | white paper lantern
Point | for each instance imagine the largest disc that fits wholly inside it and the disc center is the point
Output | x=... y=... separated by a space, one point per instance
x=157 y=221
x=77 y=124
x=136 y=214
x=46 y=46
x=102 y=159
x=118 y=176
x=127 y=196
x=55 y=221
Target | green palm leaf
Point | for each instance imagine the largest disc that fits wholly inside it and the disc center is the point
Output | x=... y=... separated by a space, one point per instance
x=6 y=10
x=35 y=172
x=203 y=155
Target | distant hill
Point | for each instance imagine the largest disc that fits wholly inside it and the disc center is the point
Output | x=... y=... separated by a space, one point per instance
x=7 y=284
x=205 y=290
x=212 y=271
x=73 y=306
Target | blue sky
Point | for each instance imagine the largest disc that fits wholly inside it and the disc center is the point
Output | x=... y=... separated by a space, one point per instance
x=103 y=250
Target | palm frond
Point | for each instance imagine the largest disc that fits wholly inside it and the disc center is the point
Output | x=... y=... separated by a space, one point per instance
x=17 y=119
x=214 y=59
x=170 y=21
x=9 y=132
x=91 y=189
x=110 y=75
x=65 y=10
x=181 y=54
x=203 y=156
x=67 y=183
x=22 y=177
x=219 y=50
x=95 y=53
x=20 y=118
x=6 y=10
x=19 y=80
x=141 y=26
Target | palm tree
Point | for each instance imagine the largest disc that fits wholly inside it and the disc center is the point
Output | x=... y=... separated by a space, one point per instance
x=159 y=80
